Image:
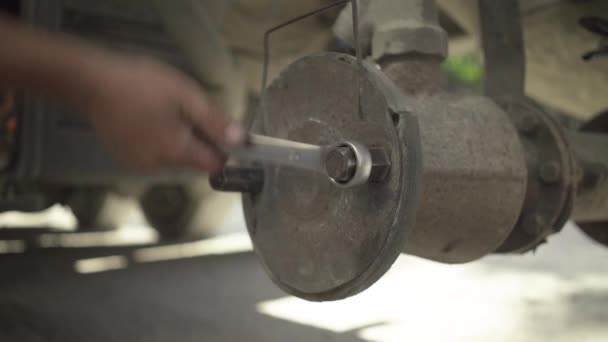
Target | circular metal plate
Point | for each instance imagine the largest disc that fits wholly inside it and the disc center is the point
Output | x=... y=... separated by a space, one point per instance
x=316 y=240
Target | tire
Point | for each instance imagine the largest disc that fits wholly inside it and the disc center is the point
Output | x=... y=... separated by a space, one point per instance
x=96 y=209
x=187 y=211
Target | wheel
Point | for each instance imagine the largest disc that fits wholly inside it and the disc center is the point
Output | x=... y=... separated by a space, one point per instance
x=187 y=211
x=168 y=209
x=95 y=209
x=87 y=205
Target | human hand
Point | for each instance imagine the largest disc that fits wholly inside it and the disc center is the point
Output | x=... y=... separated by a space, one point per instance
x=7 y=102
x=153 y=117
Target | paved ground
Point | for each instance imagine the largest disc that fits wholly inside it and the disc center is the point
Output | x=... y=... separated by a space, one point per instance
x=131 y=294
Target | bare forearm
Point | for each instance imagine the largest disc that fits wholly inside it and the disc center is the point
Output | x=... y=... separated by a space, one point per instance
x=149 y=114
x=45 y=64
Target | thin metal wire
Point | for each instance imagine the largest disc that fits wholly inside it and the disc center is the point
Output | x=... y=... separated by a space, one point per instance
x=358 y=51
x=287 y=23
x=359 y=56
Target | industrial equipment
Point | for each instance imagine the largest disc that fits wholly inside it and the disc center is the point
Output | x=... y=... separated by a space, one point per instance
x=452 y=177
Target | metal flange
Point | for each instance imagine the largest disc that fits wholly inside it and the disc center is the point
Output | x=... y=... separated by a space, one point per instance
x=595 y=176
x=318 y=241
x=552 y=175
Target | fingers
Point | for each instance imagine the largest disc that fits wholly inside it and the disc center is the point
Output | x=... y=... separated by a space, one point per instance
x=207 y=119
x=198 y=155
x=6 y=102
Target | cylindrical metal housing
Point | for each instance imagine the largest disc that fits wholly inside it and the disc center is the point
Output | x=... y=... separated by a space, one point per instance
x=473 y=178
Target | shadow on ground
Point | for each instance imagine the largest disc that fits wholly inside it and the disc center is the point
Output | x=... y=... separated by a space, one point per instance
x=211 y=298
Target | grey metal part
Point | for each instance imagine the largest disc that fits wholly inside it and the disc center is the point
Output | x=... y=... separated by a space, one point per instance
x=551 y=169
x=393 y=27
x=265 y=149
x=316 y=240
x=473 y=179
x=552 y=175
x=341 y=163
x=474 y=174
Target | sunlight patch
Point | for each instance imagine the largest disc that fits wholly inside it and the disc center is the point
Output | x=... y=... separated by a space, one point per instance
x=103 y=264
x=227 y=244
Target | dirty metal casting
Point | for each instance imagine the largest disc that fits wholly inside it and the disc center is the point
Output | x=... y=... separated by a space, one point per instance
x=347 y=164
x=552 y=175
x=551 y=168
x=452 y=177
x=474 y=172
x=316 y=240
x=321 y=242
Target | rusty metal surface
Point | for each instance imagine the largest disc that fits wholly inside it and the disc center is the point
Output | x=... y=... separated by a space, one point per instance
x=396 y=27
x=473 y=179
x=316 y=240
x=473 y=175
x=551 y=170
x=552 y=175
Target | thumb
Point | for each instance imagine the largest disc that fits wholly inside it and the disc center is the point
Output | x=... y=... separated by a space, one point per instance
x=214 y=125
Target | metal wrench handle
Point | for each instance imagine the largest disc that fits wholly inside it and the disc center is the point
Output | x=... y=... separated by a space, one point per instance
x=282 y=152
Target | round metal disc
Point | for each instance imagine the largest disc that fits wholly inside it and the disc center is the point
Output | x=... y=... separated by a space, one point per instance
x=316 y=240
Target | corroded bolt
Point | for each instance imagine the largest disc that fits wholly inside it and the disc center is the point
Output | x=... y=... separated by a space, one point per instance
x=381 y=165
x=550 y=172
x=341 y=164
x=238 y=179
x=528 y=124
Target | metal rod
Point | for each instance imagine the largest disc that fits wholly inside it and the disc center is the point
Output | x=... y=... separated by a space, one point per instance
x=503 y=46
x=238 y=179
x=287 y=23
x=359 y=54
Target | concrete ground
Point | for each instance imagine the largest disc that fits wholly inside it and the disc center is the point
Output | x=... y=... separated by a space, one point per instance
x=214 y=290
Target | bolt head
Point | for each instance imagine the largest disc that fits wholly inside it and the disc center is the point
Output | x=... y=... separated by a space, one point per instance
x=381 y=164
x=341 y=164
x=550 y=172
x=528 y=124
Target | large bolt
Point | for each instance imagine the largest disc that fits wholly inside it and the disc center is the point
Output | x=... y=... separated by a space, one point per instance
x=238 y=179
x=341 y=164
x=550 y=172
x=381 y=164
x=528 y=124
